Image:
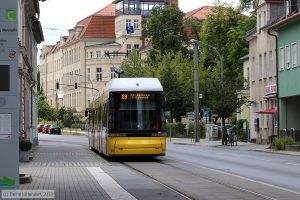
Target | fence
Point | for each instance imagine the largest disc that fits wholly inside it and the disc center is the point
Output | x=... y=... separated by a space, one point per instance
x=295 y=134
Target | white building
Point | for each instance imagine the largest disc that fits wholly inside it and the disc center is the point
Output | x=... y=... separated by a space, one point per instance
x=263 y=78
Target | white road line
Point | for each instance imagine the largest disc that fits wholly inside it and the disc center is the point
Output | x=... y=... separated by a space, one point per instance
x=295 y=164
x=262 y=159
x=242 y=177
x=111 y=187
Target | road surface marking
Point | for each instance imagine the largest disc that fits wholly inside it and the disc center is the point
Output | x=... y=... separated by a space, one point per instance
x=261 y=159
x=296 y=164
x=242 y=177
x=111 y=187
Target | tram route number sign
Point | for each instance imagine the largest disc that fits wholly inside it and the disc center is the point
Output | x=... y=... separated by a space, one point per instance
x=135 y=96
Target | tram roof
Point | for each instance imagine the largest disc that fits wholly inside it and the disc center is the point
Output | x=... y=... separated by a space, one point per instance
x=135 y=84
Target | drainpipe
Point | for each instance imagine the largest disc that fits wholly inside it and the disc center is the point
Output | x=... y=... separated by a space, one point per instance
x=277 y=77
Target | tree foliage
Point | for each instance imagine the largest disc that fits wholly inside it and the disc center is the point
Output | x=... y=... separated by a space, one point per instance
x=44 y=109
x=165 y=29
x=225 y=30
x=133 y=66
x=246 y=4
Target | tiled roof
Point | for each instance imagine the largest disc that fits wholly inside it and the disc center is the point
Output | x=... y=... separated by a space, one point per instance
x=100 y=26
x=199 y=13
x=109 y=10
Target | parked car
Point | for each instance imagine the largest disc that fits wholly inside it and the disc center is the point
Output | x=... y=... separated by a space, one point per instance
x=54 y=129
x=46 y=128
x=40 y=128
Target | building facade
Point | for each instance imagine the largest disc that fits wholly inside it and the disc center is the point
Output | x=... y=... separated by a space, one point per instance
x=92 y=53
x=288 y=52
x=263 y=77
x=30 y=35
x=244 y=112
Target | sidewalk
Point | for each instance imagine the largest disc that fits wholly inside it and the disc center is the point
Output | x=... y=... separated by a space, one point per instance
x=74 y=132
x=243 y=146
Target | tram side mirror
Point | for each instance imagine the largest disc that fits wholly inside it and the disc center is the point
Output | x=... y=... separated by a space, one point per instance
x=163 y=102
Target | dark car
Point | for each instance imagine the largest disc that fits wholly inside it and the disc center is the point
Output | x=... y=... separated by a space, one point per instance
x=40 y=128
x=54 y=129
x=46 y=128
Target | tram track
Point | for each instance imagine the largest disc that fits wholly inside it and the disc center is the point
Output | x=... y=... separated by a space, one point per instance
x=223 y=183
x=185 y=196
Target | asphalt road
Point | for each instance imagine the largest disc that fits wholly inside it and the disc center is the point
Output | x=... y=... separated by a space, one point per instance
x=200 y=172
x=279 y=170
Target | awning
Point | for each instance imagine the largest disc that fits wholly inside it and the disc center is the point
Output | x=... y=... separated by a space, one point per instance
x=269 y=111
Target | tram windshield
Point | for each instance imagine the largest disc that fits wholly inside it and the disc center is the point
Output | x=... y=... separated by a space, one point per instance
x=138 y=112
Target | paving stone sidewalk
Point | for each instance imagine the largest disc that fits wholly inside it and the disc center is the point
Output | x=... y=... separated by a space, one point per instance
x=244 y=146
x=64 y=169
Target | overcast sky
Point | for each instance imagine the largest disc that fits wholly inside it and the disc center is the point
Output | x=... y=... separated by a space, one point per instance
x=63 y=14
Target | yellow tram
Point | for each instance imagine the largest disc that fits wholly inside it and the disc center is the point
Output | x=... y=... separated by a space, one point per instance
x=127 y=119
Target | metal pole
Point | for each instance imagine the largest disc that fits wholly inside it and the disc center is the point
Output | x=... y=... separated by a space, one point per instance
x=195 y=43
x=170 y=126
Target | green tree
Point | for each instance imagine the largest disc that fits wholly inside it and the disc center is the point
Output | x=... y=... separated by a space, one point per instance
x=246 y=4
x=134 y=66
x=175 y=72
x=165 y=28
x=44 y=109
x=225 y=30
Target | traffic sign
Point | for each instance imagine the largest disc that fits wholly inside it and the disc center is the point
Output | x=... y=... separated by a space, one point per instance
x=129 y=29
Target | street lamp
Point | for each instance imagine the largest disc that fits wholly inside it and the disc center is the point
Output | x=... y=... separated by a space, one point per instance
x=195 y=44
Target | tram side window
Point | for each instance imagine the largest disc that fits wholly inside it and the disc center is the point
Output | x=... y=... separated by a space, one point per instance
x=99 y=115
x=104 y=115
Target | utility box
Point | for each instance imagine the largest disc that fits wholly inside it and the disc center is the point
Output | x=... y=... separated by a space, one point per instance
x=211 y=132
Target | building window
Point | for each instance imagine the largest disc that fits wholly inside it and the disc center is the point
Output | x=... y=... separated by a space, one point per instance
x=136 y=24
x=98 y=54
x=260 y=67
x=106 y=53
x=115 y=53
x=259 y=22
x=89 y=73
x=281 y=57
x=294 y=55
x=270 y=63
x=253 y=69
x=299 y=51
x=265 y=65
x=99 y=74
x=288 y=57
x=91 y=54
x=137 y=46
x=247 y=77
x=128 y=22
x=128 y=48
x=112 y=73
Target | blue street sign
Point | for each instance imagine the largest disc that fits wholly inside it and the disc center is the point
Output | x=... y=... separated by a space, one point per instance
x=205 y=113
x=129 y=29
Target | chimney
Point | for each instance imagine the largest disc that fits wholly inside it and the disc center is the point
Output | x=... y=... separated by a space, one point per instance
x=174 y=2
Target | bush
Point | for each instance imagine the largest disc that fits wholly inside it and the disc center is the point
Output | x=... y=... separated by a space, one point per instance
x=177 y=129
x=25 y=145
x=279 y=144
x=78 y=125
